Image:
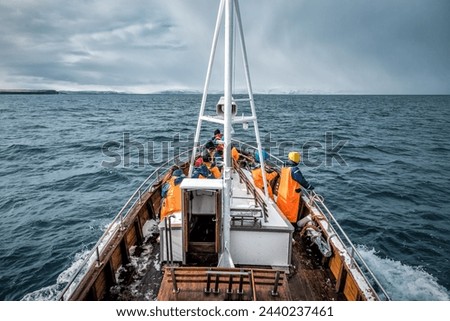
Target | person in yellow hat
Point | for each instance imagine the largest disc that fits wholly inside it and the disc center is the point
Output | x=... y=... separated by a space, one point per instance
x=293 y=162
x=291 y=181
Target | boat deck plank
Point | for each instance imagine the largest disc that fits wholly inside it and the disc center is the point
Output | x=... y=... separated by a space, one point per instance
x=310 y=281
x=258 y=284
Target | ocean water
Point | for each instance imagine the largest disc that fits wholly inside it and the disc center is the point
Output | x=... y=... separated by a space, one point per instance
x=69 y=162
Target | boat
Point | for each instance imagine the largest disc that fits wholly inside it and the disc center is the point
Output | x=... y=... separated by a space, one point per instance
x=224 y=238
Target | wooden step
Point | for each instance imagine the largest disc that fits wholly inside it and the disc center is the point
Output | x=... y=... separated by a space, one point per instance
x=244 y=284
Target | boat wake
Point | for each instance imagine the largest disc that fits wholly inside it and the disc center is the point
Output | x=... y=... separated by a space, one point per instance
x=51 y=293
x=401 y=281
x=404 y=282
x=139 y=263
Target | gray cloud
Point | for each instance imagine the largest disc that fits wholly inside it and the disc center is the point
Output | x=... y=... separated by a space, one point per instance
x=347 y=46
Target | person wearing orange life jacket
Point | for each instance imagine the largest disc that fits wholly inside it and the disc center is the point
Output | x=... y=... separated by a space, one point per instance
x=171 y=194
x=235 y=154
x=257 y=174
x=291 y=181
x=211 y=151
x=217 y=140
x=206 y=169
x=209 y=163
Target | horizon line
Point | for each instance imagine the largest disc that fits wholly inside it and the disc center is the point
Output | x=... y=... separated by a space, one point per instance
x=198 y=92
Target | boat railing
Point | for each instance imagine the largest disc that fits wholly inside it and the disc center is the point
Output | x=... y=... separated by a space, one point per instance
x=336 y=230
x=277 y=162
x=117 y=224
x=357 y=261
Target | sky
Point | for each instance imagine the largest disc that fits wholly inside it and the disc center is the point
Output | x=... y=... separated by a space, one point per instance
x=300 y=46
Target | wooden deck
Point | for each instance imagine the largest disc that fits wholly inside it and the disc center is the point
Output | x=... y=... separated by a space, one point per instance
x=309 y=280
x=221 y=284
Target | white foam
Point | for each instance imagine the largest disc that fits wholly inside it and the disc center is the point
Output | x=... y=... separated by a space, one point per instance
x=157 y=263
x=140 y=265
x=150 y=227
x=404 y=282
x=51 y=293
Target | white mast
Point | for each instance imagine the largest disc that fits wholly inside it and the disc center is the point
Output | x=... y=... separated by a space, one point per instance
x=229 y=9
x=225 y=257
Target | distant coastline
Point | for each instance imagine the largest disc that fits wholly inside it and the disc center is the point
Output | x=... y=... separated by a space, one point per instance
x=186 y=92
x=28 y=92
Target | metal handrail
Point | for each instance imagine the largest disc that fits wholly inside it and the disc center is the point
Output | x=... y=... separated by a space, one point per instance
x=118 y=219
x=317 y=200
x=254 y=148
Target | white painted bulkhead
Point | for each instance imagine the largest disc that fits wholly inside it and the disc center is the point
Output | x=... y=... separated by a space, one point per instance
x=268 y=243
x=176 y=238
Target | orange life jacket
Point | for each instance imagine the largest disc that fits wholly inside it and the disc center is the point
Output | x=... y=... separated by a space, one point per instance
x=172 y=201
x=288 y=199
x=235 y=154
x=258 y=179
x=214 y=170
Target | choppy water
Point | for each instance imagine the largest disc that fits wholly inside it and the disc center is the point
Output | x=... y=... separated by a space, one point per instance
x=388 y=185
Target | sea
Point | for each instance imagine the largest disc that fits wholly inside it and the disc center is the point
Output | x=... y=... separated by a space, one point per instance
x=68 y=163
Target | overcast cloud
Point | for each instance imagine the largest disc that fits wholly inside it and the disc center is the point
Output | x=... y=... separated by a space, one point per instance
x=319 y=46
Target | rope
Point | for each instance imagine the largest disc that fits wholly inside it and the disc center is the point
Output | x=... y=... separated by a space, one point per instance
x=314 y=198
x=309 y=226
